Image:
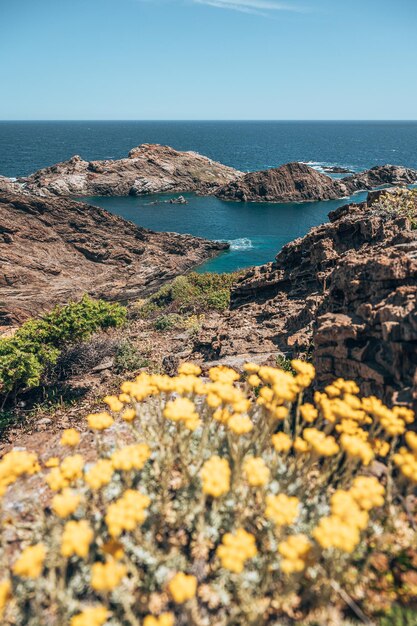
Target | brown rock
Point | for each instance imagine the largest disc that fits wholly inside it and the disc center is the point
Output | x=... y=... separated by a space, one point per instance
x=148 y=169
x=54 y=249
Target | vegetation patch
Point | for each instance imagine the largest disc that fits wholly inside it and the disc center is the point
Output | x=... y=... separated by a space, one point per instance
x=27 y=356
x=225 y=508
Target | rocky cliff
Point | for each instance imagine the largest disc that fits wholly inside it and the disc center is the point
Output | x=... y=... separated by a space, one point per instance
x=297 y=182
x=348 y=289
x=54 y=250
x=147 y=169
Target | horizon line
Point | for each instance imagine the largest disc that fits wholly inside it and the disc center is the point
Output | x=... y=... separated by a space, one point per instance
x=210 y=120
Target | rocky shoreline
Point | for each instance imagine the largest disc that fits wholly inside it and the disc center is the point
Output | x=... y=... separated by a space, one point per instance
x=152 y=168
x=53 y=250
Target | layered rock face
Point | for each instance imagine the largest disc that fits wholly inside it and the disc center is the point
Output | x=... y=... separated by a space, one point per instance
x=297 y=182
x=54 y=250
x=293 y=182
x=348 y=289
x=148 y=169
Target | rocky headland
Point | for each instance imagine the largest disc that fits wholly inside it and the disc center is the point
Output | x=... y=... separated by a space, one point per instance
x=149 y=168
x=297 y=182
x=153 y=168
x=53 y=250
x=346 y=294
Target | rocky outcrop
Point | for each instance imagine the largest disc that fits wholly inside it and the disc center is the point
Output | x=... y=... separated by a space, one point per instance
x=147 y=169
x=54 y=250
x=297 y=182
x=348 y=289
x=293 y=182
x=381 y=175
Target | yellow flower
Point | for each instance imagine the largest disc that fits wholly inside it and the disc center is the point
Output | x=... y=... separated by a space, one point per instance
x=100 y=474
x=368 y=492
x=355 y=447
x=76 y=539
x=281 y=442
x=215 y=476
x=30 y=562
x=5 y=594
x=282 y=509
x=113 y=403
x=129 y=415
x=344 y=506
x=251 y=368
x=165 y=619
x=301 y=446
x=72 y=467
x=70 y=437
x=381 y=448
x=256 y=471
x=222 y=416
x=223 y=374
x=240 y=424
x=182 y=587
x=14 y=464
x=321 y=444
x=182 y=410
x=189 y=369
x=66 y=503
x=53 y=461
x=131 y=457
x=236 y=548
x=295 y=551
x=100 y=421
x=56 y=480
x=127 y=512
x=331 y=532
x=91 y=616
x=254 y=380
x=411 y=440
x=308 y=412
x=107 y=576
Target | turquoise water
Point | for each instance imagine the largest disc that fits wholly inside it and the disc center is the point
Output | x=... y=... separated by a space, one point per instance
x=255 y=231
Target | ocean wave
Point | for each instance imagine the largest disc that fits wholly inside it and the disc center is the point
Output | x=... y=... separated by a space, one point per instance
x=240 y=244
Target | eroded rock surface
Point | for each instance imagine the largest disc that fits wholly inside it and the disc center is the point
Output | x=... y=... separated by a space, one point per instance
x=148 y=168
x=348 y=289
x=297 y=182
x=55 y=249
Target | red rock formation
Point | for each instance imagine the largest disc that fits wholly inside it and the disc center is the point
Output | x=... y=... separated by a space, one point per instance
x=54 y=250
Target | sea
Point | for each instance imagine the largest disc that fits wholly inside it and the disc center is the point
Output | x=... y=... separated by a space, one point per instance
x=256 y=231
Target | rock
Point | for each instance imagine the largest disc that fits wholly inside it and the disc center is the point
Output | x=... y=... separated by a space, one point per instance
x=381 y=175
x=293 y=182
x=53 y=250
x=348 y=289
x=297 y=182
x=148 y=169
x=179 y=200
x=335 y=169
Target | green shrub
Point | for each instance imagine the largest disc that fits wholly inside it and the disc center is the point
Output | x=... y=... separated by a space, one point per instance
x=193 y=294
x=168 y=322
x=128 y=358
x=36 y=346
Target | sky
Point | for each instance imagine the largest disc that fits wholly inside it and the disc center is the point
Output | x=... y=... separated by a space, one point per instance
x=208 y=59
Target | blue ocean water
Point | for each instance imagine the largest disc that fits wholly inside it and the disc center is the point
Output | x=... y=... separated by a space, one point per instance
x=257 y=231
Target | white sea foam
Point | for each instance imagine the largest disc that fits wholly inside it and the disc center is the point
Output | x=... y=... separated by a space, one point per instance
x=240 y=244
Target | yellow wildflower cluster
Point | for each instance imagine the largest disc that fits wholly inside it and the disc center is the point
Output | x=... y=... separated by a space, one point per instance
x=182 y=587
x=76 y=539
x=107 y=576
x=127 y=512
x=295 y=551
x=236 y=549
x=215 y=476
x=15 y=464
x=207 y=454
x=281 y=509
x=30 y=562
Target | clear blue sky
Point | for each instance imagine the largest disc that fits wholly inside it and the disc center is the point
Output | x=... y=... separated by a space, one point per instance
x=208 y=59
